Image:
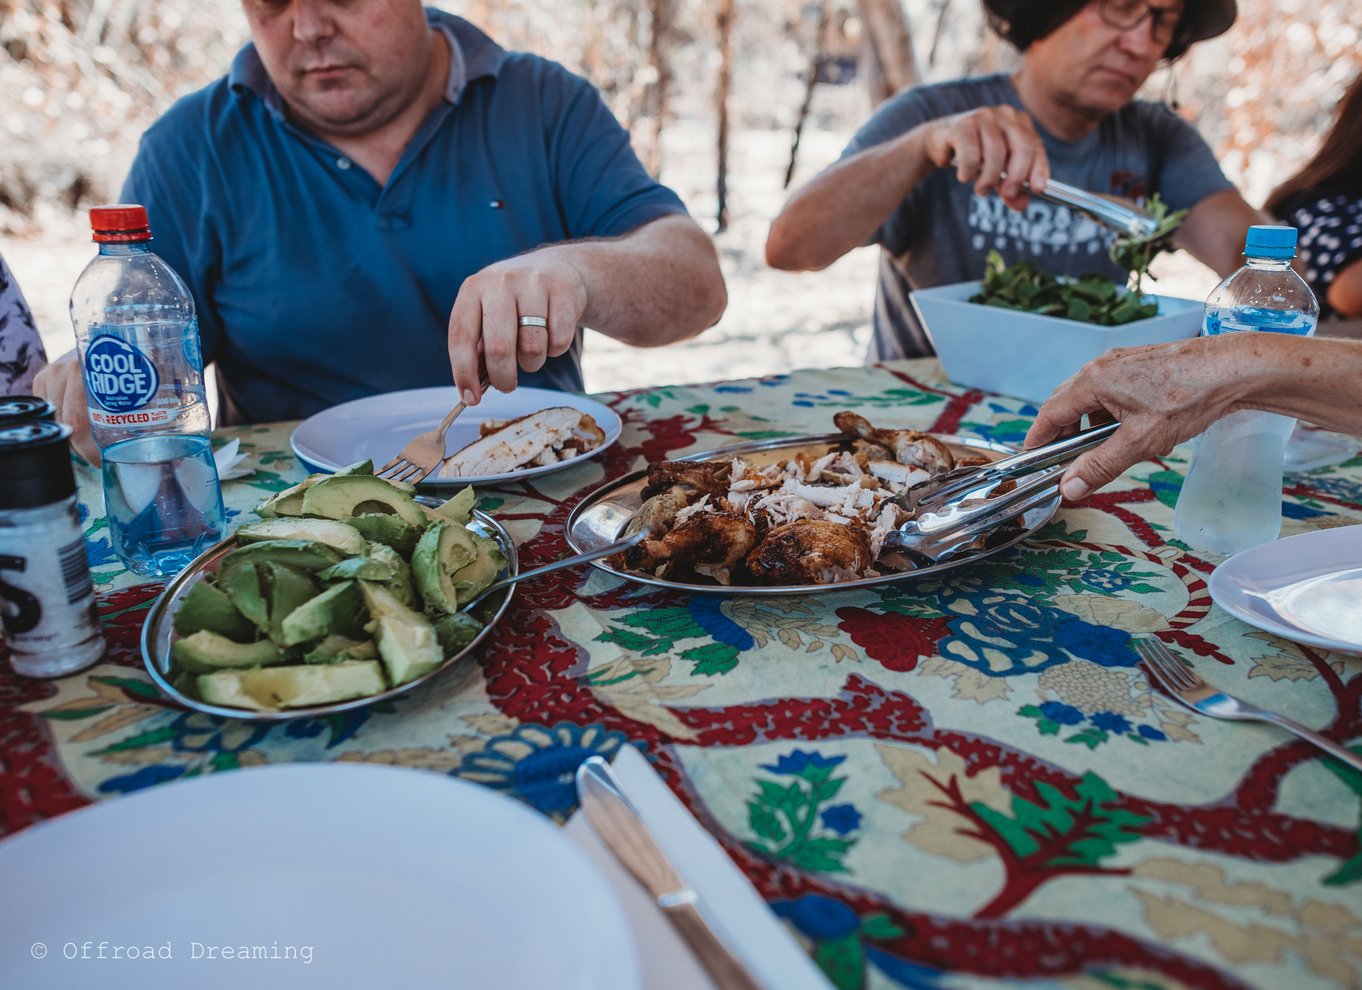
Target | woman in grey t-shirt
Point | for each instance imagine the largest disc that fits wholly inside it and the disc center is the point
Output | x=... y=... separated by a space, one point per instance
x=21 y=349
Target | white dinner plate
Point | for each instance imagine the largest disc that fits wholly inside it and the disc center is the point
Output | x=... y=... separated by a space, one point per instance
x=1306 y=588
x=380 y=876
x=378 y=426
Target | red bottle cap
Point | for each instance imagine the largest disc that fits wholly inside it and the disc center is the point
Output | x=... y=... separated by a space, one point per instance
x=122 y=223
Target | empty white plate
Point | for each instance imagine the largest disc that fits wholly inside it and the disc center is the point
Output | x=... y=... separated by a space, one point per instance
x=378 y=426
x=1306 y=588
x=308 y=875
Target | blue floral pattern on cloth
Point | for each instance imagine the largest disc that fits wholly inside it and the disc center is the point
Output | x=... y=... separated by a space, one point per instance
x=538 y=764
x=1006 y=633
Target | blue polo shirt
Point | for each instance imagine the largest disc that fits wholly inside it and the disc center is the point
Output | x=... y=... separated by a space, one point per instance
x=314 y=284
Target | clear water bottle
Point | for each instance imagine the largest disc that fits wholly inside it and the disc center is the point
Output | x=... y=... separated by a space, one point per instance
x=143 y=368
x=1232 y=497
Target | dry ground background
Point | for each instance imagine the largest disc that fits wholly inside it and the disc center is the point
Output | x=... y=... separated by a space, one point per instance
x=81 y=78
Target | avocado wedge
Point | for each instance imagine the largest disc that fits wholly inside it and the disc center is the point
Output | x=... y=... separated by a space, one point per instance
x=339 y=609
x=406 y=640
x=208 y=607
x=270 y=688
x=206 y=651
x=343 y=496
x=340 y=537
x=445 y=548
x=383 y=527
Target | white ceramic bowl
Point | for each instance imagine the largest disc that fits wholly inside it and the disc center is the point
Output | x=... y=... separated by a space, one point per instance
x=1027 y=355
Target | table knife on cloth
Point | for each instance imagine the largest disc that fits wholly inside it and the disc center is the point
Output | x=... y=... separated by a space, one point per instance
x=622 y=830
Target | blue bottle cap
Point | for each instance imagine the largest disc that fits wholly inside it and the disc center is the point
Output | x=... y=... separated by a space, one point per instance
x=1264 y=241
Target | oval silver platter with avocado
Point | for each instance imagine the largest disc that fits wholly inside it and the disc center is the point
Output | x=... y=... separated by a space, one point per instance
x=346 y=592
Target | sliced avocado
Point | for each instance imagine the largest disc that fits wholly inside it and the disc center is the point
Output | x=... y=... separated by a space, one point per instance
x=443 y=549
x=206 y=651
x=287 y=590
x=267 y=593
x=365 y=466
x=343 y=496
x=400 y=583
x=336 y=647
x=339 y=609
x=383 y=527
x=243 y=586
x=268 y=688
x=456 y=631
x=406 y=639
x=305 y=555
x=365 y=568
x=327 y=531
x=208 y=607
x=288 y=502
x=472 y=578
x=458 y=509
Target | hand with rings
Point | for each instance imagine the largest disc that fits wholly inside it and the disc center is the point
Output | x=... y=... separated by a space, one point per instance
x=515 y=314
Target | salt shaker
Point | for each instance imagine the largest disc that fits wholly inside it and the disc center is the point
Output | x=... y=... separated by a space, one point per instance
x=47 y=600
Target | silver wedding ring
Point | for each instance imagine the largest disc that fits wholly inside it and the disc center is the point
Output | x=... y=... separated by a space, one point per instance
x=534 y=321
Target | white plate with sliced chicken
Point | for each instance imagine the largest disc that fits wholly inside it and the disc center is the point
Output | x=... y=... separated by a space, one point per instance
x=505 y=437
x=795 y=515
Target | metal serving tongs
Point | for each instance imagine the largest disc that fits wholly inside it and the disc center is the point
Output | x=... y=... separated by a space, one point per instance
x=1118 y=216
x=953 y=510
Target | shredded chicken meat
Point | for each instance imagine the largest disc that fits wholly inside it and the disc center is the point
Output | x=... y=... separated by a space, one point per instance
x=809 y=519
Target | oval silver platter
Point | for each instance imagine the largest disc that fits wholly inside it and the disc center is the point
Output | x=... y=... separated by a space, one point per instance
x=158 y=634
x=600 y=517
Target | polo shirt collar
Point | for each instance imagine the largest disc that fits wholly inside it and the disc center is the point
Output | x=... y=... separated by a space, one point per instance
x=472 y=55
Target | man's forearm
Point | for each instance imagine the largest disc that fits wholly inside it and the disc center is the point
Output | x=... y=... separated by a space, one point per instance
x=657 y=285
x=1214 y=230
x=839 y=210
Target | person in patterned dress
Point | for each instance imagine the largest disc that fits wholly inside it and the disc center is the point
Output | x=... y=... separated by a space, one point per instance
x=21 y=349
x=1324 y=201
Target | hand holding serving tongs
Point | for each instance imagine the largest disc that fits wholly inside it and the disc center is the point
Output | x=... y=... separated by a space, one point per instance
x=952 y=510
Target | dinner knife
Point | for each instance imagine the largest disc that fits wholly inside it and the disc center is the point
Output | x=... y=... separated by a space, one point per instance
x=622 y=830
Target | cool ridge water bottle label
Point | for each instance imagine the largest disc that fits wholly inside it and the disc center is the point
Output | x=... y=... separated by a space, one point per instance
x=118 y=376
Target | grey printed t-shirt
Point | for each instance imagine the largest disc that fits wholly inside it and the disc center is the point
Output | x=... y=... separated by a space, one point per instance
x=943 y=232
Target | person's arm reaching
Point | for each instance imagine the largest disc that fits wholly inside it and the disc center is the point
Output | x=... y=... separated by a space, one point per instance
x=657 y=285
x=1164 y=394
x=1345 y=291
x=841 y=208
x=1214 y=230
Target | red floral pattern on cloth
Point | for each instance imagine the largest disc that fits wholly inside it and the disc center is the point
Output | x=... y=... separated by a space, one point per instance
x=960 y=778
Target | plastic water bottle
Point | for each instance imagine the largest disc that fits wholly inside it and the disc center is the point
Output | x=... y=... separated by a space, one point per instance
x=1232 y=497
x=143 y=368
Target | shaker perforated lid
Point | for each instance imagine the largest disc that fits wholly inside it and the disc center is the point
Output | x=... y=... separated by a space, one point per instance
x=35 y=465
x=119 y=223
x=16 y=409
x=1270 y=241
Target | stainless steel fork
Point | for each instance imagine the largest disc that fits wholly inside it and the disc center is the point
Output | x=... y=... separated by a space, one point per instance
x=423 y=452
x=1185 y=686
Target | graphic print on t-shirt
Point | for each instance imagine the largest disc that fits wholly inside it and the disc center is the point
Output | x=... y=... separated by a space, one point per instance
x=1041 y=229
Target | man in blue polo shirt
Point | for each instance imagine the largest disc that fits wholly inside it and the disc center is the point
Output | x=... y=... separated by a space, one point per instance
x=378 y=196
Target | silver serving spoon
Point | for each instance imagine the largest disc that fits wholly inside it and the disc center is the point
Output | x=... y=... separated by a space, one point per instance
x=619 y=546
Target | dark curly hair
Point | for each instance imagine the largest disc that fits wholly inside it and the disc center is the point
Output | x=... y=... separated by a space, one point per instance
x=1023 y=22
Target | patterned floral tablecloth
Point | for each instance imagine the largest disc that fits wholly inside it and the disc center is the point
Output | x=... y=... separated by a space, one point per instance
x=963 y=782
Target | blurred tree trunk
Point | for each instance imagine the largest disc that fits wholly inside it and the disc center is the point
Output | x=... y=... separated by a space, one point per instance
x=659 y=66
x=820 y=43
x=887 y=49
x=724 y=22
